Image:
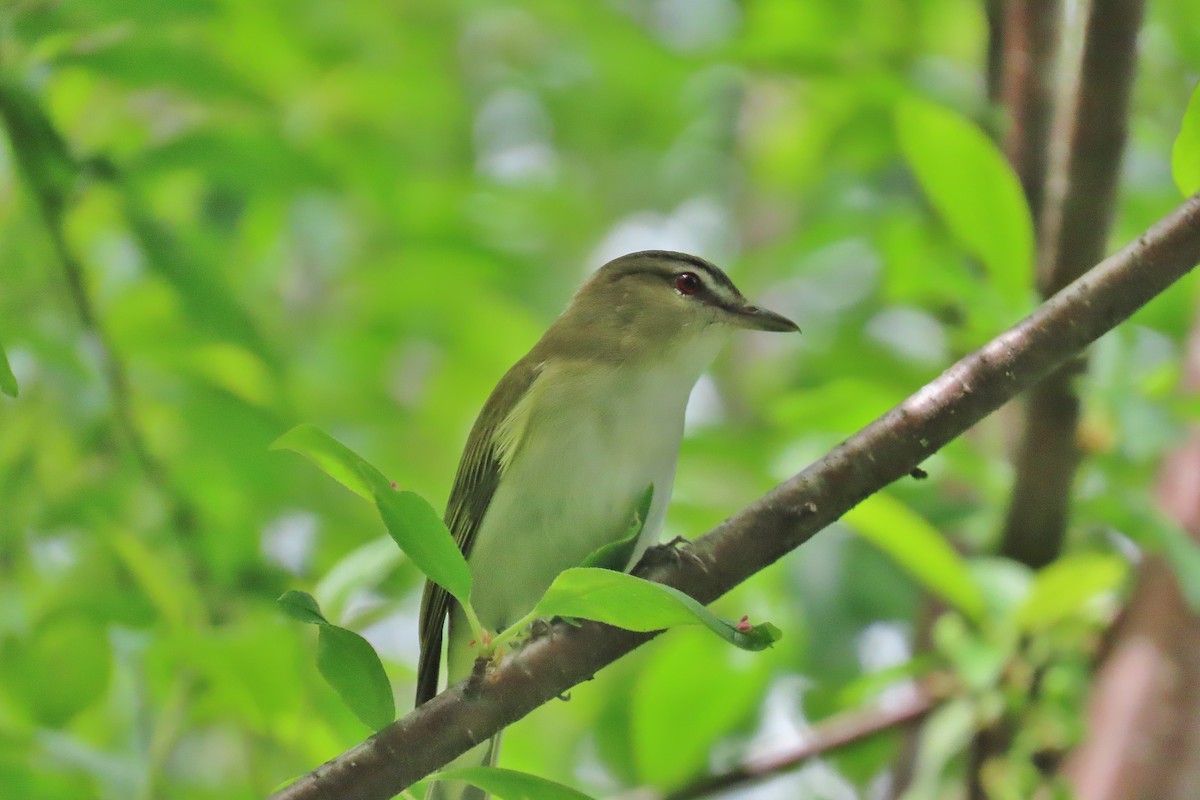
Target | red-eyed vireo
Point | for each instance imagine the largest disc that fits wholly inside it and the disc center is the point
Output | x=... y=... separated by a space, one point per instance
x=570 y=439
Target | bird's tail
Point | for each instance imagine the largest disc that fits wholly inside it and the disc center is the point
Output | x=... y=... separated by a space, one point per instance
x=481 y=755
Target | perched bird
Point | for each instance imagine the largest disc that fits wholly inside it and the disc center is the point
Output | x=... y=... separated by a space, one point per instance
x=571 y=438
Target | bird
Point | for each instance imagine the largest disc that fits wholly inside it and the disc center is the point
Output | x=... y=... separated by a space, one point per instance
x=570 y=439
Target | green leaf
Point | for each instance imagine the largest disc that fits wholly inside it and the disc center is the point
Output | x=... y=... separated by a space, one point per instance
x=138 y=63
x=334 y=458
x=8 y=381
x=1062 y=589
x=616 y=555
x=39 y=149
x=974 y=190
x=424 y=538
x=352 y=667
x=347 y=662
x=635 y=604
x=919 y=549
x=302 y=606
x=238 y=158
x=509 y=784
x=412 y=523
x=205 y=297
x=1185 y=155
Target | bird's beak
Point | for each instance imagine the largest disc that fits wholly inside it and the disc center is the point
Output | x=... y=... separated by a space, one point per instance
x=760 y=319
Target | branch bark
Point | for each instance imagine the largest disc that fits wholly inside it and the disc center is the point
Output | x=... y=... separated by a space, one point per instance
x=1143 y=716
x=1088 y=138
x=1029 y=82
x=782 y=520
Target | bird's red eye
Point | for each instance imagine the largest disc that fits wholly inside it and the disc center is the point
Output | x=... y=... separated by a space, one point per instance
x=687 y=283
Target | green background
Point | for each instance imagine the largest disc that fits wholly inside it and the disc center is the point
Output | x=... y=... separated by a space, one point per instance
x=359 y=214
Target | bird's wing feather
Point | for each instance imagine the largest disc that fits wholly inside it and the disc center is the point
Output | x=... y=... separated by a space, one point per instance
x=488 y=453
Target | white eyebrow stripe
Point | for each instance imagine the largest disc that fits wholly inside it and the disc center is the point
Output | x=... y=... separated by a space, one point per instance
x=719 y=289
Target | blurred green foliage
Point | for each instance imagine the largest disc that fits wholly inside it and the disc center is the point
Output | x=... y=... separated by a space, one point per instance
x=360 y=214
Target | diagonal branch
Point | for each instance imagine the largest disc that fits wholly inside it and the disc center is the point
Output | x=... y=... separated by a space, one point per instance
x=782 y=520
x=832 y=734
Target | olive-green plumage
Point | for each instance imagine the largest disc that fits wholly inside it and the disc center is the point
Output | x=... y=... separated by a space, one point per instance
x=571 y=437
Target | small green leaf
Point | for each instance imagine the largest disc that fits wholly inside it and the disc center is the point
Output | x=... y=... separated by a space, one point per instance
x=974 y=190
x=616 y=555
x=302 y=606
x=635 y=604
x=508 y=784
x=347 y=662
x=1062 y=589
x=424 y=538
x=1185 y=155
x=917 y=548
x=352 y=667
x=334 y=458
x=8 y=381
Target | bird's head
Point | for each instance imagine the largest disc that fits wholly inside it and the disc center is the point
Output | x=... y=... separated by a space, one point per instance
x=661 y=295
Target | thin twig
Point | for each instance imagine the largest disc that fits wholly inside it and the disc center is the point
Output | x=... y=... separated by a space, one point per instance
x=787 y=517
x=833 y=734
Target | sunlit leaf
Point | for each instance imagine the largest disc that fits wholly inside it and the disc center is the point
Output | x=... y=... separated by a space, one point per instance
x=919 y=549
x=249 y=159
x=234 y=369
x=974 y=190
x=1062 y=589
x=140 y=63
x=640 y=605
x=1185 y=155
x=508 y=784
x=334 y=458
x=8 y=381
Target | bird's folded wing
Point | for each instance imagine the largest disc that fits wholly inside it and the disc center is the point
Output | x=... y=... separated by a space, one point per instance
x=488 y=452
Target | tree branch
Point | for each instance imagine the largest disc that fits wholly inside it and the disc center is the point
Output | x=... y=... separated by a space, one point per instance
x=1089 y=135
x=782 y=520
x=832 y=734
x=1032 y=33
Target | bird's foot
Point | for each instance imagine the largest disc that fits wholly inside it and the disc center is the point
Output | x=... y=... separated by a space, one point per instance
x=670 y=553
